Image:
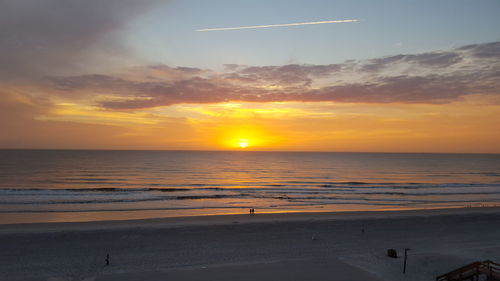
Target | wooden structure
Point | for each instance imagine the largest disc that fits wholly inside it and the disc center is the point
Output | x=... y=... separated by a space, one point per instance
x=476 y=271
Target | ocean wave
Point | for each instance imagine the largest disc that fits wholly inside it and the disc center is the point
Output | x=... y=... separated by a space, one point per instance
x=286 y=185
x=31 y=200
x=362 y=189
x=92 y=189
x=343 y=192
x=123 y=209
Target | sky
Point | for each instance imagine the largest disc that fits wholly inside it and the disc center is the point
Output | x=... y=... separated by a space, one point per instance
x=384 y=76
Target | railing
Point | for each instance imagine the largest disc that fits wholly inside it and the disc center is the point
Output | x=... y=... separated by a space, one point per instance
x=468 y=272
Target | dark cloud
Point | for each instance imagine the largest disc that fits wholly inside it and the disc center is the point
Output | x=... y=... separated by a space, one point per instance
x=166 y=68
x=491 y=50
x=39 y=37
x=434 y=59
x=488 y=50
x=431 y=82
x=195 y=90
x=403 y=89
x=442 y=59
x=287 y=74
x=379 y=63
x=142 y=94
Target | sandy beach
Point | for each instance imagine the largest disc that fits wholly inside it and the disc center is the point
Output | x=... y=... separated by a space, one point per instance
x=294 y=246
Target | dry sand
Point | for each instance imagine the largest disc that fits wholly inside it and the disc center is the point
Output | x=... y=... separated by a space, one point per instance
x=301 y=246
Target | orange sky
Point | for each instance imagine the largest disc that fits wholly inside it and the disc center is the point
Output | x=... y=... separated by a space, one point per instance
x=467 y=126
x=129 y=75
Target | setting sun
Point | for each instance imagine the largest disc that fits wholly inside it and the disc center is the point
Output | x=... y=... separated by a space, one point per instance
x=243 y=143
x=245 y=136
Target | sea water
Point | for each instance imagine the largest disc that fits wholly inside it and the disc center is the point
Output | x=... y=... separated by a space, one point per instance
x=86 y=185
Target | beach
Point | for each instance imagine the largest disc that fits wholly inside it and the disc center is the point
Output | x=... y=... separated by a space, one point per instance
x=293 y=246
x=159 y=140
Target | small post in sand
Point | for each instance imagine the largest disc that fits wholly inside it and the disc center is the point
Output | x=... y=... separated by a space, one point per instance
x=404 y=264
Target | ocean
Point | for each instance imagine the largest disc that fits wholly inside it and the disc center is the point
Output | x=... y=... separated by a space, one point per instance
x=89 y=185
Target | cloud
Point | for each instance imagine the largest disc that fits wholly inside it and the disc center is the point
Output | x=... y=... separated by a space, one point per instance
x=431 y=59
x=488 y=50
x=288 y=74
x=403 y=89
x=41 y=37
x=431 y=78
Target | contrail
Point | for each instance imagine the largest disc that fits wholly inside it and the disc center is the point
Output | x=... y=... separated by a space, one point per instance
x=274 y=25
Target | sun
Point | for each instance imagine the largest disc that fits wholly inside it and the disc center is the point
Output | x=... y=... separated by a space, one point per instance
x=243 y=143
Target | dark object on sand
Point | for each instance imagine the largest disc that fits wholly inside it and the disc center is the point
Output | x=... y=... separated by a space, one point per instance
x=252 y=211
x=107 y=259
x=392 y=253
x=404 y=264
x=474 y=271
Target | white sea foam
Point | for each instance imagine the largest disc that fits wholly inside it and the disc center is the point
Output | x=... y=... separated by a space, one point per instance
x=81 y=181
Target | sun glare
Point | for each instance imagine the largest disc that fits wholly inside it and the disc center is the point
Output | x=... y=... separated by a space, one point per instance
x=243 y=137
x=243 y=143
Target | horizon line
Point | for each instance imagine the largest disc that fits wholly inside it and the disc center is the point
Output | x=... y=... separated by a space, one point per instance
x=246 y=150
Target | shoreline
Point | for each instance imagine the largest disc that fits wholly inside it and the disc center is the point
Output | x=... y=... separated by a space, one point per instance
x=225 y=219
